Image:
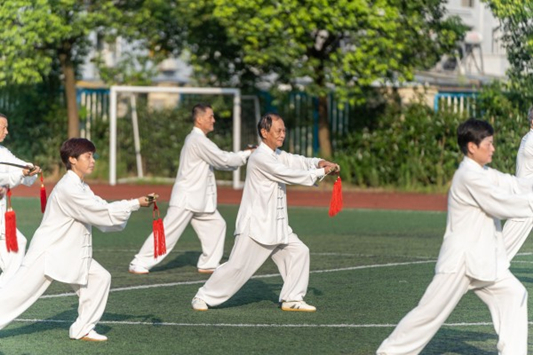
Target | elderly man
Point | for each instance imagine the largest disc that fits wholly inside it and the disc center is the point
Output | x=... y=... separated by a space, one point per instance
x=516 y=230
x=262 y=229
x=194 y=197
x=10 y=177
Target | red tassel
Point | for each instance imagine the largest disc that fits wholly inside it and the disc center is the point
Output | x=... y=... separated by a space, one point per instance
x=160 y=246
x=335 y=205
x=11 y=226
x=43 y=195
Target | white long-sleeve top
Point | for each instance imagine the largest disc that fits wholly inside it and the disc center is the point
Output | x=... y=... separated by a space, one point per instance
x=11 y=177
x=195 y=188
x=65 y=233
x=263 y=211
x=478 y=199
x=524 y=158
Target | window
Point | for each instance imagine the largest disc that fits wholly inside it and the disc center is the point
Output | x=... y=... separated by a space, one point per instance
x=467 y=3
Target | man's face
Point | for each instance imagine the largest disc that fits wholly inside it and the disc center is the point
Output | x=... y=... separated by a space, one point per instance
x=3 y=129
x=83 y=165
x=206 y=121
x=276 y=136
x=482 y=154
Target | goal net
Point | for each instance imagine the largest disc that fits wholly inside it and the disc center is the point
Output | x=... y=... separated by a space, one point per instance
x=148 y=126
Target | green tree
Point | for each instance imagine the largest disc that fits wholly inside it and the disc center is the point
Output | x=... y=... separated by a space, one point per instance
x=517 y=27
x=37 y=34
x=314 y=45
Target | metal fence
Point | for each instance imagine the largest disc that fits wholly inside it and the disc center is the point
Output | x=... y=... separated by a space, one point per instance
x=456 y=102
x=299 y=110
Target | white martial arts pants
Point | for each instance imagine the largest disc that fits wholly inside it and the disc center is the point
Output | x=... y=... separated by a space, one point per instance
x=10 y=261
x=246 y=257
x=210 y=228
x=29 y=283
x=515 y=232
x=506 y=299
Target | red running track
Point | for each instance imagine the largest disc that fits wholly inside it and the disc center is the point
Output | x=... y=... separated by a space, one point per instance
x=312 y=197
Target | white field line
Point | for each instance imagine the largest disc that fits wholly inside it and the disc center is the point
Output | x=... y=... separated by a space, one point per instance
x=172 y=284
x=251 y=325
x=524 y=254
x=244 y=325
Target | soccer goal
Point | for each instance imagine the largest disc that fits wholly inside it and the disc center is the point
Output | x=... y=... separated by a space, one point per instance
x=149 y=123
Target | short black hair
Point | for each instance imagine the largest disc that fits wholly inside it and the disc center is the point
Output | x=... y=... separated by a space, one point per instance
x=474 y=131
x=530 y=114
x=199 y=109
x=74 y=147
x=3 y=115
x=266 y=122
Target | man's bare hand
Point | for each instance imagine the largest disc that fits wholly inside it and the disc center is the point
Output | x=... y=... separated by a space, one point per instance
x=329 y=167
x=31 y=171
x=148 y=200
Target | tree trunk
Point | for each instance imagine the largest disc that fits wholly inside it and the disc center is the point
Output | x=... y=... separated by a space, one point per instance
x=324 y=131
x=67 y=67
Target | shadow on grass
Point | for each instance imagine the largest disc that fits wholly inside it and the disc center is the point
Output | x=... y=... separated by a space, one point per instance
x=56 y=322
x=252 y=292
x=189 y=258
x=455 y=341
x=65 y=319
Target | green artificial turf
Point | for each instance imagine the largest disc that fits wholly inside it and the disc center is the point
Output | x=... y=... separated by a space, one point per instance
x=368 y=269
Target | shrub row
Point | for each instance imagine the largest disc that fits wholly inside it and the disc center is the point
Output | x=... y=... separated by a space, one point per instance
x=414 y=148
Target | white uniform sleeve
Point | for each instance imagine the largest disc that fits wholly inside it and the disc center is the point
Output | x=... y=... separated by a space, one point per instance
x=500 y=200
x=276 y=170
x=218 y=158
x=93 y=210
x=296 y=161
x=12 y=176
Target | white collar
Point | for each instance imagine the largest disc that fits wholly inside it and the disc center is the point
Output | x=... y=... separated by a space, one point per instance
x=198 y=130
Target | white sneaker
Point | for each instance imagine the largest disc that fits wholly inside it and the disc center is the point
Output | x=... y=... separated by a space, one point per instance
x=199 y=304
x=138 y=270
x=94 y=336
x=297 y=306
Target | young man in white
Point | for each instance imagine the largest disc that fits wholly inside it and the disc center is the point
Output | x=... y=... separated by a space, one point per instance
x=262 y=228
x=516 y=230
x=11 y=177
x=473 y=256
x=194 y=197
x=61 y=248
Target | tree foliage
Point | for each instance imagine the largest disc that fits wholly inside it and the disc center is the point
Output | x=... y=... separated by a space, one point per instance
x=37 y=34
x=314 y=45
x=516 y=18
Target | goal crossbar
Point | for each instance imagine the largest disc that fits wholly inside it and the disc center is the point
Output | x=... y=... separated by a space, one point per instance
x=115 y=90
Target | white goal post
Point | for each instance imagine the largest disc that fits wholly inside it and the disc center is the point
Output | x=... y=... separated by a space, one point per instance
x=116 y=90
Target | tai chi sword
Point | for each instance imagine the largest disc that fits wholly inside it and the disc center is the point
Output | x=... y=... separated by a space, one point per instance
x=30 y=168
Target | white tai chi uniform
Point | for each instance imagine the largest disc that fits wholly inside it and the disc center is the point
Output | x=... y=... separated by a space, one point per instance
x=473 y=257
x=516 y=230
x=61 y=250
x=194 y=199
x=11 y=176
x=263 y=230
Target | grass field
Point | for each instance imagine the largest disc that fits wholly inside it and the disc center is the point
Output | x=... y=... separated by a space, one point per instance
x=368 y=269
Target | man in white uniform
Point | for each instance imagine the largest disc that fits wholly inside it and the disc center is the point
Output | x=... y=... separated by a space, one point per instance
x=10 y=177
x=262 y=228
x=61 y=248
x=473 y=256
x=194 y=197
x=516 y=230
